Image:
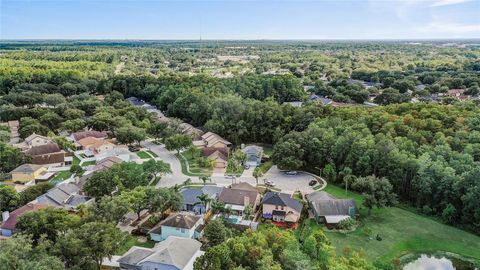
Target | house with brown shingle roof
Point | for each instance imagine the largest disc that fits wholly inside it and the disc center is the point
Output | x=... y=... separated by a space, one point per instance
x=96 y=145
x=211 y=139
x=219 y=155
x=46 y=154
x=330 y=210
x=240 y=196
x=8 y=227
x=181 y=224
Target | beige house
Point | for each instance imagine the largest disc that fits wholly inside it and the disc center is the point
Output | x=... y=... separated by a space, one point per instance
x=212 y=140
x=27 y=172
x=239 y=196
x=281 y=207
x=96 y=145
x=37 y=140
x=219 y=155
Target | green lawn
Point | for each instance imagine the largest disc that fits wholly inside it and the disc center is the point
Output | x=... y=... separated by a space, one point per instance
x=76 y=160
x=152 y=154
x=88 y=163
x=264 y=167
x=402 y=231
x=130 y=241
x=195 y=169
x=144 y=155
x=60 y=177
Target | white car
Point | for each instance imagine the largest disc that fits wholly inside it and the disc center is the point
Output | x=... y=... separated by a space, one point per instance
x=270 y=183
x=291 y=173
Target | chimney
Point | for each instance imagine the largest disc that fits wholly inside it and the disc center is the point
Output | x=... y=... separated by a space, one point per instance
x=5 y=215
x=246 y=200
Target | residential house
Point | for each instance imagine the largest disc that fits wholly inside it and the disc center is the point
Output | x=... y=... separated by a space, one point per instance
x=37 y=140
x=100 y=166
x=281 y=208
x=457 y=94
x=27 y=172
x=96 y=145
x=191 y=131
x=219 y=155
x=8 y=227
x=213 y=140
x=254 y=155
x=65 y=195
x=322 y=100
x=239 y=196
x=175 y=253
x=330 y=210
x=296 y=104
x=46 y=154
x=135 y=101
x=192 y=203
x=181 y=224
x=77 y=136
x=212 y=191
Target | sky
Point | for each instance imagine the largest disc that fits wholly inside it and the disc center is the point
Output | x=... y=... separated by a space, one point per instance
x=234 y=19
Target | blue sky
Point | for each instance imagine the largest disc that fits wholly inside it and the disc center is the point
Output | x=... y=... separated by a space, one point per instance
x=247 y=19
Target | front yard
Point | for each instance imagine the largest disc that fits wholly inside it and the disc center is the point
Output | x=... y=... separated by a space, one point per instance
x=402 y=232
x=191 y=165
x=60 y=176
x=144 y=155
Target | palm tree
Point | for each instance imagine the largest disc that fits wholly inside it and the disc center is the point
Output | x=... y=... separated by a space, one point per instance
x=247 y=212
x=218 y=206
x=204 y=179
x=204 y=200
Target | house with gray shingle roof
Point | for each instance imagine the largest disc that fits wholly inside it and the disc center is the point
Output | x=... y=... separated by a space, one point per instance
x=65 y=195
x=175 y=253
x=281 y=207
x=330 y=210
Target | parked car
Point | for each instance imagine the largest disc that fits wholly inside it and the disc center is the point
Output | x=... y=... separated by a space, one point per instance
x=291 y=173
x=134 y=148
x=229 y=176
x=312 y=182
x=270 y=183
x=246 y=166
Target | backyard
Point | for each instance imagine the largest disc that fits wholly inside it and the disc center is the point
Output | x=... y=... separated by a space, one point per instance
x=130 y=241
x=402 y=232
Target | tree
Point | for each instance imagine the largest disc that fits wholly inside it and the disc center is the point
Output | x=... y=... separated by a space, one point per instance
x=49 y=222
x=11 y=157
x=74 y=125
x=155 y=169
x=215 y=232
x=31 y=193
x=130 y=135
x=158 y=130
x=288 y=155
x=377 y=192
x=4 y=134
x=177 y=142
x=102 y=240
x=76 y=169
x=163 y=199
x=204 y=199
x=137 y=199
x=54 y=99
x=9 y=198
x=102 y=183
x=108 y=210
x=330 y=172
x=18 y=253
x=51 y=120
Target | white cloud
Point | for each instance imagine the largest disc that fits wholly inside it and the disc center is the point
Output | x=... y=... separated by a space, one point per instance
x=450 y=28
x=439 y=3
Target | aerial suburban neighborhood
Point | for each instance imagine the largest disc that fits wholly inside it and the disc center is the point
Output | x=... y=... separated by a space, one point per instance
x=240 y=135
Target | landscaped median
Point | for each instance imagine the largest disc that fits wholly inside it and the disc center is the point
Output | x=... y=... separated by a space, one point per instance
x=402 y=232
x=190 y=166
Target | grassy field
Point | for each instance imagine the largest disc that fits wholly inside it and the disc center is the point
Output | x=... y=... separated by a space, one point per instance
x=75 y=161
x=402 y=232
x=195 y=169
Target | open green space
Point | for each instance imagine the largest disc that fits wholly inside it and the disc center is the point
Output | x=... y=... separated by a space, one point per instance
x=75 y=161
x=152 y=154
x=88 y=163
x=192 y=163
x=402 y=232
x=60 y=176
x=144 y=155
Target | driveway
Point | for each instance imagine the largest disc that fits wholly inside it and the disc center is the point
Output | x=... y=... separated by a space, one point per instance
x=289 y=183
x=176 y=177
